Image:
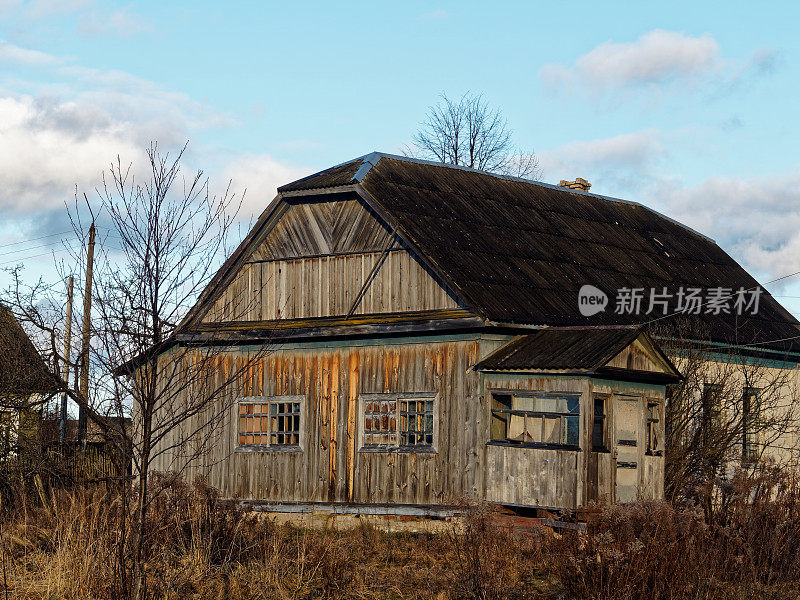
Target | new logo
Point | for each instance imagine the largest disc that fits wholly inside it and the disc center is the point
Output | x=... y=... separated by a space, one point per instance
x=591 y=300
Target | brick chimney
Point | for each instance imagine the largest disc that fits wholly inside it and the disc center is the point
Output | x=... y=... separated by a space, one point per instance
x=579 y=184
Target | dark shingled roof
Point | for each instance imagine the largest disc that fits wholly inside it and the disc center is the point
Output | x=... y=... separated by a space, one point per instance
x=22 y=370
x=559 y=349
x=519 y=251
x=335 y=176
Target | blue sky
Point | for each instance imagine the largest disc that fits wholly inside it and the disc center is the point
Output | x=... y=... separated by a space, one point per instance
x=689 y=107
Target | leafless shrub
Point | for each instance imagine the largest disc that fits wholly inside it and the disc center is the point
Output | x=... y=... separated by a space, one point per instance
x=733 y=409
x=653 y=550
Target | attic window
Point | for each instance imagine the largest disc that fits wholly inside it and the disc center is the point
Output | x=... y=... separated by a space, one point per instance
x=750 y=423
x=545 y=420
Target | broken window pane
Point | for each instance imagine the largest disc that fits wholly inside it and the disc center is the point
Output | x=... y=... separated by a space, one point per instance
x=380 y=423
x=551 y=420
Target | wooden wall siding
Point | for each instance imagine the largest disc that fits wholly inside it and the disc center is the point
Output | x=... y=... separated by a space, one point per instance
x=636 y=357
x=532 y=477
x=331 y=466
x=536 y=476
x=316 y=228
x=327 y=286
x=560 y=478
x=651 y=471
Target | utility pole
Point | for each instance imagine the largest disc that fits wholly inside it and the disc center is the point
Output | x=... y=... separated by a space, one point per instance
x=87 y=312
x=62 y=415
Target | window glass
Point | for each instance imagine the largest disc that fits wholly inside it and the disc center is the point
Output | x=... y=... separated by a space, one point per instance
x=599 y=424
x=516 y=428
x=550 y=420
x=533 y=429
x=573 y=405
x=750 y=423
x=571 y=433
x=653 y=427
x=552 y=434
x=380 y=422
x=416 y=422
x=547 y=405
x=394 y=422
x=269 y=423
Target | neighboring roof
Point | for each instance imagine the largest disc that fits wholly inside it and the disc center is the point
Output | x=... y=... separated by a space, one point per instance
x=518 y=251
x=50 y=429
x=554 y=349
x=22 y=370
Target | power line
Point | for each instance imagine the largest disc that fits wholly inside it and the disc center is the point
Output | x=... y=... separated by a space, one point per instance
x=22 y=258
x=34 y=239
x=728 y=297
x=783 y=277
x=29 y=248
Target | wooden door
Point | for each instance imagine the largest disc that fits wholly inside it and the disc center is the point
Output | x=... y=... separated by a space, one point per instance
x=627 y=438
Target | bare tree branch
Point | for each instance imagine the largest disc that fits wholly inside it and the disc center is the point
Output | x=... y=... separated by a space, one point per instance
x=469 y=133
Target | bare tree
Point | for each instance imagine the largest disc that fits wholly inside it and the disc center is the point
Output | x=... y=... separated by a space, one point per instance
x=733 y=410
x=469 y=133
x=160 y=243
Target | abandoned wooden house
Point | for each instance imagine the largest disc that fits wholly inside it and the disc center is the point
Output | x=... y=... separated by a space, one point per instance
x=427 y=344
x=25 y=382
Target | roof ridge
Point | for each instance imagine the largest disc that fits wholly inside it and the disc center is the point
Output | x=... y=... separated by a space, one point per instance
x=372 y=159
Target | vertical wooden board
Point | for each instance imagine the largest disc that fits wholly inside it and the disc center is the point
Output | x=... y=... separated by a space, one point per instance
x=334 y=428
x=352 y=406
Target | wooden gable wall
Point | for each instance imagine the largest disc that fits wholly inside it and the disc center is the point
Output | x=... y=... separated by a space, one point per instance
x=314 y=261
x=639 y=356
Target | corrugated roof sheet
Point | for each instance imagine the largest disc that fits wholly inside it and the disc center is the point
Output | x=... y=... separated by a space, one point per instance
x=560 y=349
x=335 y=176
x=518 y=251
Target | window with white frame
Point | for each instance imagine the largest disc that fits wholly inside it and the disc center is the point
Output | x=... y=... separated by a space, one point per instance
x=395 y=421
x=270 y=421
x=543 y=420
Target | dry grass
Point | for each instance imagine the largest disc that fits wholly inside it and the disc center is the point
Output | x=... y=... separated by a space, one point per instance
x=749 y=548
x=67 y=545
x=200 y=547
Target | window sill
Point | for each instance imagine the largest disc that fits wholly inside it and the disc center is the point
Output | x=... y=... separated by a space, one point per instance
x=398 y=450
x=279 y=449
x=533 y=445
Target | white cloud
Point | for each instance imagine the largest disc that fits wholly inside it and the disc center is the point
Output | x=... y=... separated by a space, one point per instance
x=621 y=163
x=657 y=59
x=120 y=23
x=757 y=220
x=65 y=132
x=624 y=150
x=16 y=55
x=260 y=175
x=49 y=147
